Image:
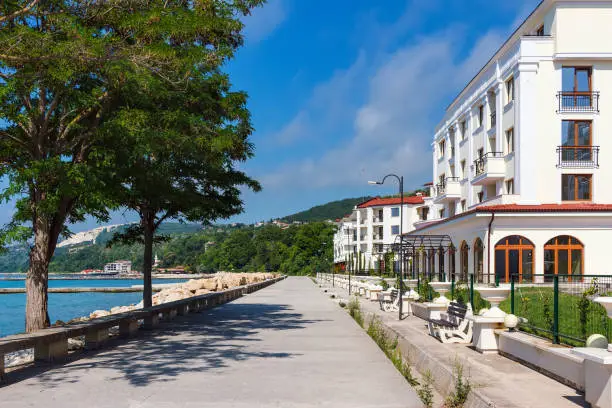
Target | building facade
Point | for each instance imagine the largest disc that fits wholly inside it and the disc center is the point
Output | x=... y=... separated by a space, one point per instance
x=520 y=169
x=118 y=267
x=364 y=235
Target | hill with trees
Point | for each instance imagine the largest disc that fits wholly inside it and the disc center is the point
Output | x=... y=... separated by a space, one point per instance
x=324 y=212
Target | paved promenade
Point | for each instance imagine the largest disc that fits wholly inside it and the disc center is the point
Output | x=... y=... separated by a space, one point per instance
x=285 y=346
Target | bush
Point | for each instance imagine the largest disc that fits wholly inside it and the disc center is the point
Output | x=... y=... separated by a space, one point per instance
x=355 y=311
x=383 y=283
x=425 y=392
x=458 y=397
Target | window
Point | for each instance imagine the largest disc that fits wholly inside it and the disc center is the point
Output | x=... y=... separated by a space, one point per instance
x=576 y=141
x=576 y=79
x=395 y=212
x=442 y=213
x=480 y=196
x=442 y=148
x=465 y=253
x=480 y=115
x=510 y=90
x=478 y=261
x=540 y=31
x=563 y=255
x=480 y=153
x=510 y=186
x=576 y=187
x=463 y=175
x=395 y=230
x=509 y=140
x=463 y=205
x=514 y=257
x=423 y=213
x=463 y=126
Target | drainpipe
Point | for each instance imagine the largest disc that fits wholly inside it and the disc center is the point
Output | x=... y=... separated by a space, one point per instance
x=489 y=248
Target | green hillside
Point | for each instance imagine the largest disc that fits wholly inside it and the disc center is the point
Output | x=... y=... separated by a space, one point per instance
x=329 y=211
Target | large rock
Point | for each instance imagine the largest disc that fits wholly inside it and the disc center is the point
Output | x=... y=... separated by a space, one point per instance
x=98 y=313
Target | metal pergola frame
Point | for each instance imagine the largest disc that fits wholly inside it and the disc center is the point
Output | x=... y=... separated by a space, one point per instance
x=409 y=246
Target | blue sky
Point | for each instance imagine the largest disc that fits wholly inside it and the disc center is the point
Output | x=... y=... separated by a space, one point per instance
x=345 y=91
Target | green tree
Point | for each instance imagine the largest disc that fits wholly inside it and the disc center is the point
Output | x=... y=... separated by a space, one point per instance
x=65 y=70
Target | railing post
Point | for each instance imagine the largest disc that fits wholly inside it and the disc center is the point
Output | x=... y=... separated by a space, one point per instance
x=511 y=294
x=556 y=309
x=472 y=291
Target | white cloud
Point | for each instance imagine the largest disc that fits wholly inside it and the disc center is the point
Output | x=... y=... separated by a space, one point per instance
x=392 y=130
x=264 y=20
x=330 y=105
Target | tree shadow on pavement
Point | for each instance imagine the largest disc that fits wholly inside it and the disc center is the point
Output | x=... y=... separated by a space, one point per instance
x=194 y=343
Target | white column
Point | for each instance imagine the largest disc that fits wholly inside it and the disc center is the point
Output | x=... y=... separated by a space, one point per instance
x=526 y=159
x=470 y=126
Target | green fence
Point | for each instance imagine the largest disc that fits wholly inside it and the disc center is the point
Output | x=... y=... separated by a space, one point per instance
x=557 y=307
x=560 y=307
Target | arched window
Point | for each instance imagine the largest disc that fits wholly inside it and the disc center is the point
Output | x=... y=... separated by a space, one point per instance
x=441 y=276
x=465 y=253
x=451 y=262
x=563 y=255
x=478 y=261
x=514 y=256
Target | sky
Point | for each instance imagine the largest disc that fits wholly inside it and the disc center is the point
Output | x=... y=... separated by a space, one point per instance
x=346 y=91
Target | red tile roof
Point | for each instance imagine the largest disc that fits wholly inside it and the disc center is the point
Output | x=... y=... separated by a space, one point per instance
x=377 y=201
x=519 y=208
x=568 y=207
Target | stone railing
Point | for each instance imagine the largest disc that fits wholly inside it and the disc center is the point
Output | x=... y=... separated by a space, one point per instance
x=52 y=344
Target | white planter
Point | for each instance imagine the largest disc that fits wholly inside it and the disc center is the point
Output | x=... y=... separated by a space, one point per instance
x=442 y=288
x=494 y=296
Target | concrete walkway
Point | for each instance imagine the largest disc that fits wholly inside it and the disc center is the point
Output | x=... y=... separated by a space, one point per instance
x=504 y=382
x=285 y=346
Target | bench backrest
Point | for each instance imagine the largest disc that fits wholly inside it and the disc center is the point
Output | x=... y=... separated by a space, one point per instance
x=457 y=310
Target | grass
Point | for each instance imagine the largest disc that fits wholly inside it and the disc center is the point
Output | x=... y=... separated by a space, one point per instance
x=578 y=316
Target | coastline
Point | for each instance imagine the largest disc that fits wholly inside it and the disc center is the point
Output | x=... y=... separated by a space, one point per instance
x=167 y=293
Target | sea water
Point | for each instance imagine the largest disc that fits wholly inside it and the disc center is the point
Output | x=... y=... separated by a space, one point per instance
x=66 y=306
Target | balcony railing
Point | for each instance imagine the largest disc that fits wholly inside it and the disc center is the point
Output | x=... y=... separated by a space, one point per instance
x=493 y=119
x=441 y=187
x=578 y=101
x=480 y=163
x=377 y=219
x=578 y=156
x=378 y=237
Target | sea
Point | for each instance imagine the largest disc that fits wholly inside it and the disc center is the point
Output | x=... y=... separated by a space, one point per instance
x=65 y=306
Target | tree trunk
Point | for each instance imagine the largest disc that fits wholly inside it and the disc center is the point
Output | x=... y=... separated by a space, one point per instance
x=37 y=313
x=148 y=223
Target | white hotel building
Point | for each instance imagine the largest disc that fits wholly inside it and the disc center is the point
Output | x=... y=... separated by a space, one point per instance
x=370 y=228
x=522 y=159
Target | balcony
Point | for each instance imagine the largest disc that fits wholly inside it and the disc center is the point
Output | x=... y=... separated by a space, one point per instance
x=493 y=120
x=578 y=102
x=578 y=157
x=378 y=237
x=489 y=168
x=377 y=220
x=450 y=190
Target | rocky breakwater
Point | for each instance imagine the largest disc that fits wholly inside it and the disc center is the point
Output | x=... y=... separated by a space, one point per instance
x=194 y=287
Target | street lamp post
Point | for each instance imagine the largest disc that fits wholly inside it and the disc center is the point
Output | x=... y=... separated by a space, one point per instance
x=400 y=180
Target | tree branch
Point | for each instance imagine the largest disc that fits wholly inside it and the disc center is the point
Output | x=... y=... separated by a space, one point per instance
x=19 y=12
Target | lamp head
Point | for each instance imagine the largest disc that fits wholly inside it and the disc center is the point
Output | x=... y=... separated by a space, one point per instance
x=374 y=182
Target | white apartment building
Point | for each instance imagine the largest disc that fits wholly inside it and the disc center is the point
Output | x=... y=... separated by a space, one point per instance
x=118 y=267
x=522 y=159
x=373 y=225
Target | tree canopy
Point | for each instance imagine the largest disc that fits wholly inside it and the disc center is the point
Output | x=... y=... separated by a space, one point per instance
x=68 y=70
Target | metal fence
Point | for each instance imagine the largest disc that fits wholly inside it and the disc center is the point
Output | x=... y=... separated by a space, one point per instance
x=560 y=307
x=557 y=307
